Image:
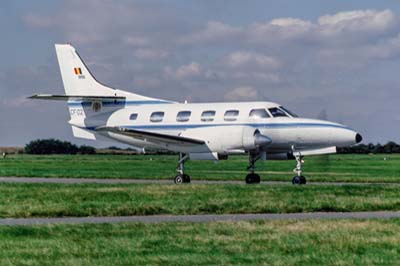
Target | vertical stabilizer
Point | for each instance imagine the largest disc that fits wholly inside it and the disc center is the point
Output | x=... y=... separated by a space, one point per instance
x=93 y=108
x=78 y=80
x=76 y=77
x=90 y=103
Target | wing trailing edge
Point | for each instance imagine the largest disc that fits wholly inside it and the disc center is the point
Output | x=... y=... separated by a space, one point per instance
x=153 y=137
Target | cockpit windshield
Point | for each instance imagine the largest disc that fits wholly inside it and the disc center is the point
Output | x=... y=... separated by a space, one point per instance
x=276 y=112
x=288 y=111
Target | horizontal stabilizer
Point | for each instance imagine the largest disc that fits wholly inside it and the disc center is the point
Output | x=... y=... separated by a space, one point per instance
x=75 y=97
x=152 y=137
x=82 y=133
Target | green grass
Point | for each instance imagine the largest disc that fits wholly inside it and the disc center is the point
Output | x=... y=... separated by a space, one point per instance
x=58 y=200
x=314 y=242
x=347 y=168
x=318 y=242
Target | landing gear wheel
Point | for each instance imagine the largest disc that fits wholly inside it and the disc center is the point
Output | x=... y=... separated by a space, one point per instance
x=253 y=179
x=182 y=177
x=186 y=178
x=299 y=180
x=296 y=180
x=178 y=179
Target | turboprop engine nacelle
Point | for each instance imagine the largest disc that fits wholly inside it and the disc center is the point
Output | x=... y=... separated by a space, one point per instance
x=253 y=139
x=222 y=139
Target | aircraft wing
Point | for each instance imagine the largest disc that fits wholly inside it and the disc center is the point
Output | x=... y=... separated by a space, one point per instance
x=322 y=151
x=157 y=138
x=74 y=97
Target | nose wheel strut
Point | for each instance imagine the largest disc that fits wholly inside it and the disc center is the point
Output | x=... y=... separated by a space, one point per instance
x=299 y=179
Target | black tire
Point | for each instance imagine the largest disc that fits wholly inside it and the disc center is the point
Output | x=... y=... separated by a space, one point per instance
x=178 y=179
x=252 y=179
x=303 y=180
x=249 y=179
x=186 y=178
x=296 y=180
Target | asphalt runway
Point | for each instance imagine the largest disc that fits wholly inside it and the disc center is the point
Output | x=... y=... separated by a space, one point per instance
x=202 y=218
x=163 y=181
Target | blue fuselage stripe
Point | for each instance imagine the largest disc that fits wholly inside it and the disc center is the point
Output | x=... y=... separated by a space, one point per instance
x=265 y=125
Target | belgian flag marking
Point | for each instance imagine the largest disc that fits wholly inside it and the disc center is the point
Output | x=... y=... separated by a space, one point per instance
x=78 y=71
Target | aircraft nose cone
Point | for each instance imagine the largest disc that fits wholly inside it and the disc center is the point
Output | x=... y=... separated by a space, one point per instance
x=358 y=138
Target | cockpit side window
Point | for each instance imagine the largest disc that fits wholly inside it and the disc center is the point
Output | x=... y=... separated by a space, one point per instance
x=259 y=113
x=288 y=111
x=276 y=112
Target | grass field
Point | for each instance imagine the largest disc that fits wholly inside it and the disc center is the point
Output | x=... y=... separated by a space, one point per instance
x=58 y=200
x=346 y=168
x=320 y=242
x=313 y=242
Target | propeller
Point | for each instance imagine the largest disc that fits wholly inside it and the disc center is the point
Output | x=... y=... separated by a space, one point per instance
x=261 y=140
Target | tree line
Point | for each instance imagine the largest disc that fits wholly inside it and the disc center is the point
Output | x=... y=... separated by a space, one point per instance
x=390 y=147
x=54 y=146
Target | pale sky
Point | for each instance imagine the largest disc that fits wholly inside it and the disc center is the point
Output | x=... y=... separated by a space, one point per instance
x=335 y=59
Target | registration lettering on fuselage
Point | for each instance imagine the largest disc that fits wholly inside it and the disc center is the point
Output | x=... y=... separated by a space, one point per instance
x=76 y=112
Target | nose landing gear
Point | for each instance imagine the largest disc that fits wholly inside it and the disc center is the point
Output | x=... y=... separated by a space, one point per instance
x=299 y=179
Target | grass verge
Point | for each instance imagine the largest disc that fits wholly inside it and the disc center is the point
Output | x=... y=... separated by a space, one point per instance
x=315 y=242
x=58 y=200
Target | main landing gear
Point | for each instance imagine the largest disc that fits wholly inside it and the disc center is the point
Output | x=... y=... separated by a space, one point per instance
x=253 y=178
x=182 y=177
x=299 y=179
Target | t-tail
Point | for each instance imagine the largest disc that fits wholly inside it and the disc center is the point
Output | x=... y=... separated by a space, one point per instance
x=89 y=101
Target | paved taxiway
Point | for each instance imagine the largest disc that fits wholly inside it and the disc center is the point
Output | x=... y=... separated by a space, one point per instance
x=202 y=218
x=162 y=181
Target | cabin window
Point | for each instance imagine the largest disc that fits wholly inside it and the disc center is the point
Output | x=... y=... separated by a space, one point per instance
x=276 y=112
x=288 y=111
x=183 y=116
x=157 y=117
x=259 y=113
x=231 y=115
x=208 y=116
x=133 y=117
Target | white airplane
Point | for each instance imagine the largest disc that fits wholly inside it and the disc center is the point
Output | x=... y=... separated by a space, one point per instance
x=197 y=131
